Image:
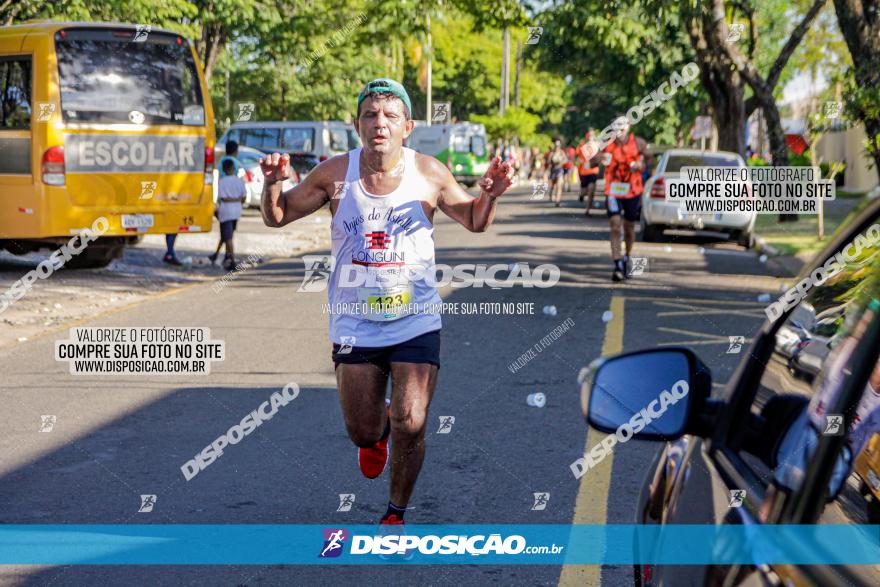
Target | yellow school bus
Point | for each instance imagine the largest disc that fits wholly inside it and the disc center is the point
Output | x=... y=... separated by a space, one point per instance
x=101 y=120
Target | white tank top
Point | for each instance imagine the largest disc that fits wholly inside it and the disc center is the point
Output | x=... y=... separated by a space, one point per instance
x=383 y=247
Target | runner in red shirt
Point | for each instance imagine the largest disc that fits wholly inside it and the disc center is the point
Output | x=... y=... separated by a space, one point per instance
x=588 y=172
x=625 y=159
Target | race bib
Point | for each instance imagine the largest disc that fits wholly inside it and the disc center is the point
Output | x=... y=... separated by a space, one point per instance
x=389 y=299
x=619 y=188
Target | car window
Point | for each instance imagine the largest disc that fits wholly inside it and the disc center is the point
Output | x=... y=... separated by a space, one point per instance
x=299 y=139
x=249 y=159
x=460 y=143
x=15 y=93
x=858 y=501
x=338 y=140
x=270 y=138
x=354 y=140
x=716 y=160
x=232 y=135
x=676 y=161
x=798 y=399
x=478 y=146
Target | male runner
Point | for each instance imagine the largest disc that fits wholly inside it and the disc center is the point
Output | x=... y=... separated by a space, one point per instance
x=626 y=156
x=383 y=198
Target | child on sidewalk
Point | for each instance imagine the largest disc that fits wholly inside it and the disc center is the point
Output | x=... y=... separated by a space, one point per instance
x=231 y=194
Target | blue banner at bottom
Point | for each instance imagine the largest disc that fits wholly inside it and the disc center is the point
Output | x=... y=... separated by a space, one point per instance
x=148 y=544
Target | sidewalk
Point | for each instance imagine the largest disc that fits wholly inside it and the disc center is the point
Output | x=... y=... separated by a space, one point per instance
x=792 y=245
x=68 y=296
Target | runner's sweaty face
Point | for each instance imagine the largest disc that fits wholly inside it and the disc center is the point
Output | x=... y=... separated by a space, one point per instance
x=382 y=124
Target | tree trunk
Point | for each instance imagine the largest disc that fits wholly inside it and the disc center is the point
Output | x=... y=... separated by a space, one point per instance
x=728 y=113
x=725 y=88
x=859 y=22
x=715 y=27
x=775 y=133
x=213 y=41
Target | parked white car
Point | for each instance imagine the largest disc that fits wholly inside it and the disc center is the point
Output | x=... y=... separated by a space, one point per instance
x=250 y=173
x=658 y=214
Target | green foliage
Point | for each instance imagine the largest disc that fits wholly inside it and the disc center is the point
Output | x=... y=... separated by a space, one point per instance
x=515 y=123
x=308 y=59
x=796 y=160
x=616 y=53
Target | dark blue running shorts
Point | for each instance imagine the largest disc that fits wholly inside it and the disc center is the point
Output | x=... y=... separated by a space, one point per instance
x=424 y=348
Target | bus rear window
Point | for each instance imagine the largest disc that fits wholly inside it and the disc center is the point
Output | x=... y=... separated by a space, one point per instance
x=107 y=77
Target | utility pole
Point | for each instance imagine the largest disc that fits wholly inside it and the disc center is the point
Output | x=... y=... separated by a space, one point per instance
x=505 y=73
x=428 y=113
x=516 y=78
x=227 y=77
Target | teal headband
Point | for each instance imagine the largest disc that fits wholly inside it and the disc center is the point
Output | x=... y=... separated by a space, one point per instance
x=385 y=85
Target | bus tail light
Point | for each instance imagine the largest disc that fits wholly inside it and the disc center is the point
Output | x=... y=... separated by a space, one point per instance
x=52 y=168
x=658 y=188
x=322 y=158
x=247 y=176
x=209 y=165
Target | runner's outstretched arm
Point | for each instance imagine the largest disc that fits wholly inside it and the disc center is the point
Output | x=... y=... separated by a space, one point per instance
x=475 y=214
x=280 y=208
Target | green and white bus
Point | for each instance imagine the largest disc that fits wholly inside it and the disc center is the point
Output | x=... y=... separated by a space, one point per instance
x=461 y=147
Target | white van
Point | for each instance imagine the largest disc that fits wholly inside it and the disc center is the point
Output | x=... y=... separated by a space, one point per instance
x=322 y=139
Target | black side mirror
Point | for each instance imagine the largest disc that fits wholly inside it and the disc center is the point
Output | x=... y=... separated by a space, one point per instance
x=650 y=395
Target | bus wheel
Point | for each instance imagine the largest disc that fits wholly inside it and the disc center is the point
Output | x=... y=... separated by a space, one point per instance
x=17 y=247
x=95 y=256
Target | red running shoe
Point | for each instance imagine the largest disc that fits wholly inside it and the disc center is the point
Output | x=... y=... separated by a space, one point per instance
x=392 y=520
x=394 y=526
x=372 y=460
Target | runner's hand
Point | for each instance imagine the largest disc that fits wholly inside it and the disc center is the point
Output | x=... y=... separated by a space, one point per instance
x=276 y=167
x=497 y=179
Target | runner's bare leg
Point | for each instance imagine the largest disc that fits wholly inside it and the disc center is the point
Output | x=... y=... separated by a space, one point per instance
x=591 y=193
x=629 y=235
x=362 y=396
x=614 y=223
x=412 y=387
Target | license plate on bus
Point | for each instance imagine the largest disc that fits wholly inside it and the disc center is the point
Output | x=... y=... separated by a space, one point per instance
x=137 y=221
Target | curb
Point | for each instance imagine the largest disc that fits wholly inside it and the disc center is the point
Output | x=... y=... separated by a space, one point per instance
x=783 y=265
x=763 y=247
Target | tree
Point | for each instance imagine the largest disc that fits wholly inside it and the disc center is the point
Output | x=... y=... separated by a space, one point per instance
x=725 y=70
x=716 y=32
x=514 y=123
x=860 y=24
x=614 y=53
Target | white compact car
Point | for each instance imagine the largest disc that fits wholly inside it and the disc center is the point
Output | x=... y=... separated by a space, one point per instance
x=658 y=214
x=250 y=174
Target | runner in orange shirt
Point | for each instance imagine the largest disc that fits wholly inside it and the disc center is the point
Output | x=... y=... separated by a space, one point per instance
x=625 y=159
x=588 y=174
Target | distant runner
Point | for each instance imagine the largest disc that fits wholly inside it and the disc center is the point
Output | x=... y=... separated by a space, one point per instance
x=383 y=197
x=625 y=159
x=589 y=173
x=556 y=162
